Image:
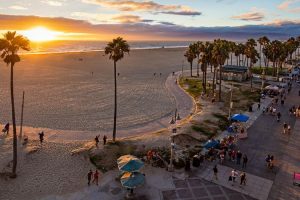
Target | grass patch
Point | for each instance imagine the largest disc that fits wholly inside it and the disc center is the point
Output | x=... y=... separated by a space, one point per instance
x=223 y=121
x=204 y=130
x=194 y=86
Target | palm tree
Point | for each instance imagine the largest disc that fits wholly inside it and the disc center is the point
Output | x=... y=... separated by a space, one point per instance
x=220 y=53
x=116 y=50
x=9 y=47
x=196 y=48
x=190 y=56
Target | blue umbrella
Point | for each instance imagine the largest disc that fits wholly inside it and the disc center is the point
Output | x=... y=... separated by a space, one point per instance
x=240 y=117
x=129 y=163
x=211 y=144
x=132 y=179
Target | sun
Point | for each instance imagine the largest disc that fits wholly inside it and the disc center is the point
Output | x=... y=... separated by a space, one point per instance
x=40 y=34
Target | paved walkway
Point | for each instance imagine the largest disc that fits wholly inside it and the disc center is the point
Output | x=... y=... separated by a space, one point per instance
x=265 y=137
x=256 y=187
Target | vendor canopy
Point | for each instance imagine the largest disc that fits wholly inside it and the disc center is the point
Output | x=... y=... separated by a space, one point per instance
x=129 y=163
x=240 y=117
x=272 y=87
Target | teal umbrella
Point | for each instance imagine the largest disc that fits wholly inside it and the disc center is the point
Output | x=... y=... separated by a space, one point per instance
x=132 y=179
x=129 y=163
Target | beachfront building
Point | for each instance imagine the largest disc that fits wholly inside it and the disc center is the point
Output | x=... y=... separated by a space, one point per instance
x=235 y=73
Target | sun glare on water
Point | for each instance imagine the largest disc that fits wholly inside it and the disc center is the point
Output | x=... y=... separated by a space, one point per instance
x=40 y=34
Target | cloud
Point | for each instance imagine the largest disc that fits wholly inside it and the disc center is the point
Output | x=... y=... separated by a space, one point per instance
x=53 y=3
x=145 y=31
x=288 y=4
x=127 y=19
x=187 y=13
x=144 y=6
x=167 y=23
x=16 y=7
x=250 y=16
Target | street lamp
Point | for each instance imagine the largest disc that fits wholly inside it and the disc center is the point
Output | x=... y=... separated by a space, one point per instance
x=174 y=131
x=263 y=79
x=230 y=101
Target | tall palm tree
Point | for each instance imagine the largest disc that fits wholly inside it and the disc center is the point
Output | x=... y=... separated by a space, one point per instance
x=220 y=54
x=9 y=47
x=196 y=48
x=190 y=56
x=116 y=50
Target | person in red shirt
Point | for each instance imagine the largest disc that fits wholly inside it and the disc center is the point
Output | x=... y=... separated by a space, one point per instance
x=96 y=177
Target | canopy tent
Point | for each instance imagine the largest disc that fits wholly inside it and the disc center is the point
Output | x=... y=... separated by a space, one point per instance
x=272 y=87
x=240 y=117
x=129 y=163
x=211 y=144
x=132 y=179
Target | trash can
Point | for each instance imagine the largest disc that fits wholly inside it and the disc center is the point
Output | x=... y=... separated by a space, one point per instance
x=196 y=161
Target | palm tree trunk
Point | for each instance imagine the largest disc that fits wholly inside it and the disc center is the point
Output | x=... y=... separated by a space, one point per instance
x=15 y=153
x=213 y=83
x=251 y=77
x=220 y=83
x=231 y=59
x=115 y=108
x=198 y=66
x=260 y=56
x=191 y=69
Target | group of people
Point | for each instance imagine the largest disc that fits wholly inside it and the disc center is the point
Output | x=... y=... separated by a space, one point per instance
x=97 y=140
x=93 y=175
x=232 y=176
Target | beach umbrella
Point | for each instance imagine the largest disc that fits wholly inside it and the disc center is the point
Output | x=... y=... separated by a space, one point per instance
x=132 y=179
x=129 y=163
x=211 y=144
x=240 y=117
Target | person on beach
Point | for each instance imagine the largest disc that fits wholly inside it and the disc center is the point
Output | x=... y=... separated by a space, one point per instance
x=6 y=128
x=97 y=140
x=243 y=179
x=96 y=177
x=245 y=160
x=41 y=136
x=215 y=169
x=104 y=139
x=89 y=176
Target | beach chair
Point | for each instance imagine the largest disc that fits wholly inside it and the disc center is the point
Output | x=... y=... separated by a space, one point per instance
x=296 y=180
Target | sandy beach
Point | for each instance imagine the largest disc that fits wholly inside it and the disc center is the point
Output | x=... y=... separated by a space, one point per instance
x=62 y=94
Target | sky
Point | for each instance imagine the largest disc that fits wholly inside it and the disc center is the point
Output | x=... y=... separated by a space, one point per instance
x=156 y=19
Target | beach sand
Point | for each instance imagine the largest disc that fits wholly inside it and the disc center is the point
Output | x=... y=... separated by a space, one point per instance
x=62 y=94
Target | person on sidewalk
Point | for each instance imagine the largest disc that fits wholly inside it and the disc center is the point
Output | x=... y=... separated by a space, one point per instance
x=243 y=179
x=285 y=126
x=215 y=169
x=234 y=174
x=96 y=177
x=89 y=176
x=278 y=116
x=245 y=160
x=238 y=157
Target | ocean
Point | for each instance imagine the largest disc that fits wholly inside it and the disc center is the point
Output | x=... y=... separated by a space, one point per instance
x=62 y=46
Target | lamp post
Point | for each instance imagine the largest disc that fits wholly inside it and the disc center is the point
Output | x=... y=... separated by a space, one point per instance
x=174 y=131
x=263 y=79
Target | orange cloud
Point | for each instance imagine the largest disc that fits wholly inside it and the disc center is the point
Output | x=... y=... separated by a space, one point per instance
x=127 y=19
x=250 y=16
x=287 y=4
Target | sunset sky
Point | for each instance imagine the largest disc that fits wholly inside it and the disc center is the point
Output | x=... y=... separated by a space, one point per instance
x=144 y=20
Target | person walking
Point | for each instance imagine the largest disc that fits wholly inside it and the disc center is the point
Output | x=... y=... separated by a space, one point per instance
x=285 y=126
x=6 y=129
x=258 y=106
x=278 y=116
x=238 y=157
x=215 y=169
x=89 y=176
x=234 y=174
x=96 y=177
x=104 y=139
x=243 y=179
x=97 y=140
x=245 y=160
x=41 y=136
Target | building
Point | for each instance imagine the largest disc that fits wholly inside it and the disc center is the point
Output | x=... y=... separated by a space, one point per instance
x=235 y=73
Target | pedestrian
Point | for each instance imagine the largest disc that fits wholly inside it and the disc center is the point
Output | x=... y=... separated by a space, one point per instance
x=268 y=160
x=97 y=140
x=233 y=155
x=215 y=169
x=222 y=157
x=243 y=178
x=245 y=160
x=278 y=116
x=6 y=128
x=41 y=136
x=96 y=177
x=234 y=174
x=285 y=126
x=238 y=157
x=104 y=139
x=282 y=102
x=258 y=106
x=89 y=176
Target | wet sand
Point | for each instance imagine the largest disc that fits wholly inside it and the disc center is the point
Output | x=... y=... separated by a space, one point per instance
x=62 y=93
